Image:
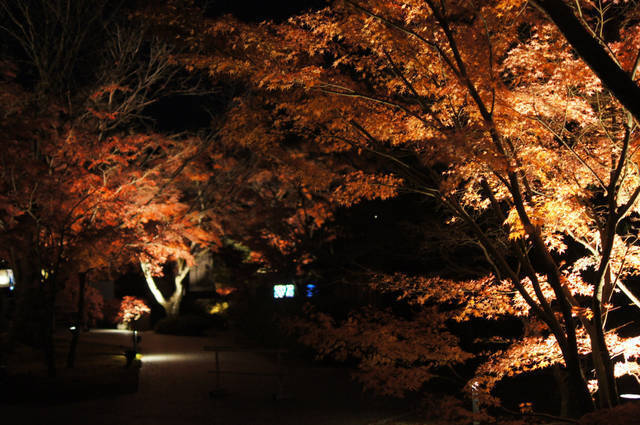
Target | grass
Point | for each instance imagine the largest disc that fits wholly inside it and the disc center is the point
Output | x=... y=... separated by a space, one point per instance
x=99 y=371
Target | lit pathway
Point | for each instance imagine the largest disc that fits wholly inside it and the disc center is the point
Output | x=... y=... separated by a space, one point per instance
x=175 y=382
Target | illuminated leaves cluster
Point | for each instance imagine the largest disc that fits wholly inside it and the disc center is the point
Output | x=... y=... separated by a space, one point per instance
x=485 y=107
x=395 y=356
x=475 y=298
x=85 y=198
x=131 y=309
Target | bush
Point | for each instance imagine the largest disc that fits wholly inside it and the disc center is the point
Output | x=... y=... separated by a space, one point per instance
x=189 y=325
x=131 y=309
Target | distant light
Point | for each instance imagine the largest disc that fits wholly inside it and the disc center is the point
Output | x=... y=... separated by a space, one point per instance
x=311 y=290
x=218 y=308
x=284 y=291
x=72 y=328
x=630 y=396
x=6 y=278
x=225 y=291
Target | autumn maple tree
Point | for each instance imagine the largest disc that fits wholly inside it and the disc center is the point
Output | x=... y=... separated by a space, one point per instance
x=486 y=108
x=280 y=190
x=87 y=185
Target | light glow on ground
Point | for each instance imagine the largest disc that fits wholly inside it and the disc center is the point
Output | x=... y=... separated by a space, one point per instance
x=110 y=331
x=176 y=357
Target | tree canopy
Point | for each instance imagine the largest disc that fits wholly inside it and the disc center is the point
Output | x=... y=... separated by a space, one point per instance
x=519 y=118
x=488 y=108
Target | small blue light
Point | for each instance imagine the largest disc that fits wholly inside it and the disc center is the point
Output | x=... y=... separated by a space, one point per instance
x=311 y=290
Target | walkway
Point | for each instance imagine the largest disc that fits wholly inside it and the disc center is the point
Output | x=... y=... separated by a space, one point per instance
x=175 y=385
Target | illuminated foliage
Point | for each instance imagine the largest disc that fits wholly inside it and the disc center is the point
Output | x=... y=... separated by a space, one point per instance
x=87 y=185
x=484 y=107
x=131 y=309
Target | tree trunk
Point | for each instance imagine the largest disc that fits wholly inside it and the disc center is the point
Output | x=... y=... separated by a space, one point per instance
x=33 y=321
x=560 y=376
x=580 y=401
x=48 y=324
x=607 y=387
x=19 y=294
x=24 y=275
x=594 y=54
x=171 y=305
x=78 y=323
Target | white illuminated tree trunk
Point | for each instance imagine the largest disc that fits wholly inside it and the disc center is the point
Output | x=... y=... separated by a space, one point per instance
x=171 y=305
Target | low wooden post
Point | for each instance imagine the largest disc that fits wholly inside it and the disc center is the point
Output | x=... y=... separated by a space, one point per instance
x=475 y=403
x=217 y=372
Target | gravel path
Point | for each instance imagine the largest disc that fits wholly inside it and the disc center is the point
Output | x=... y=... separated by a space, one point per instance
x=176 y=381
